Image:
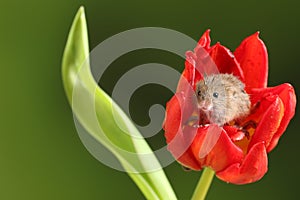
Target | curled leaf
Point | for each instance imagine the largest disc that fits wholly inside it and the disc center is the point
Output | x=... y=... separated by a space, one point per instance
x=102 y=118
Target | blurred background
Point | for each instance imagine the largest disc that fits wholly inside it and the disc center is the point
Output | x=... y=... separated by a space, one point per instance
x=41 y=155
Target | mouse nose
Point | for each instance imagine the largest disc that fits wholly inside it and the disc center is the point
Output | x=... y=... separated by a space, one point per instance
x=205 y=105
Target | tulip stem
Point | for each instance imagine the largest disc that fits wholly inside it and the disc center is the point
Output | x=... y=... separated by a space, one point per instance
x=203 y=184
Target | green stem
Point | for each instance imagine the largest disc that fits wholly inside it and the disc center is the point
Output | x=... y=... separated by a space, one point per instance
x=203 y=184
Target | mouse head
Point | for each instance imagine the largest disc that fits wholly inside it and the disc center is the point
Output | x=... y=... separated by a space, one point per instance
x=210 y=93
x=222 y=98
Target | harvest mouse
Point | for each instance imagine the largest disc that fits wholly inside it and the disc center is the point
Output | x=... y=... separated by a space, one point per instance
x=222 y=98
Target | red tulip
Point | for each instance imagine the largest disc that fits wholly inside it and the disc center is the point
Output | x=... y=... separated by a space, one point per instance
x=237 y=152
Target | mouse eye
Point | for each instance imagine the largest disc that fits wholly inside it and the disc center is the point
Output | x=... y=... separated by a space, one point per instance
x=199 y=93
x=215 y=94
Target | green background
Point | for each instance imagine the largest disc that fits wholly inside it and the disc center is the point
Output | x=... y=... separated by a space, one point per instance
x=41 y=155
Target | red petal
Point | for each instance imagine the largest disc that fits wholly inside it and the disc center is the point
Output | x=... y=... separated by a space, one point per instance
x=287 y=95
x=289 y=100
x=178 y=111
x=172 y=119
x=215 y=149
x=207 y=60
x=253 y=168
x=189 y=161
x=179 y=146
x=225 y=61
x=191 y=58
x=199 y=61
x=269 y=122
x=189 y=71
x=204 y=41
x=253 y=58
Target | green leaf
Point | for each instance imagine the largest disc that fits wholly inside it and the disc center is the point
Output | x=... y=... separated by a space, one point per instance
x=105 y=121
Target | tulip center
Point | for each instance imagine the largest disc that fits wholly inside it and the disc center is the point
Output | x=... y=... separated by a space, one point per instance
x=244 y=135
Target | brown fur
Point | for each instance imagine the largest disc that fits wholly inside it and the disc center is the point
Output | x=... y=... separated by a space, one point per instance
x=232 y=102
